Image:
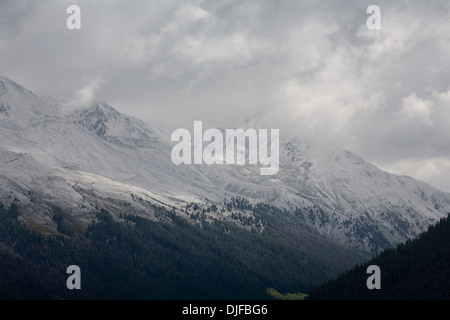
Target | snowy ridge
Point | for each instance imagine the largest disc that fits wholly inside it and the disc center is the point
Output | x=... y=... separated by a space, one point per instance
x=107 y=123
x=19 y=107
x=96 y=156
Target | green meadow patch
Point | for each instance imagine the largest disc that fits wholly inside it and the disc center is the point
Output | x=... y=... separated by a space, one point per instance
x=288 y=296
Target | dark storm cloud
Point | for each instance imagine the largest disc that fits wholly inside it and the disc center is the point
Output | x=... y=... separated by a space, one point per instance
x=309 y=67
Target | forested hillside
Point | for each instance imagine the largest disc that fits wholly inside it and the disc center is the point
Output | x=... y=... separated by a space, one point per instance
x=417 y=269
x=130 y=257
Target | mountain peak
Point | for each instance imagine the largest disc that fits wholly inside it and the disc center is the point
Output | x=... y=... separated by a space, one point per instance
x=7 y=84
x=339 y=195
x=109 y=124
x=20 y=106
x=100 y=112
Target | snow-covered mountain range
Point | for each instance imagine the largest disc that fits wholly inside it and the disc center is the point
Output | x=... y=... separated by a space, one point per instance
x=97 y=157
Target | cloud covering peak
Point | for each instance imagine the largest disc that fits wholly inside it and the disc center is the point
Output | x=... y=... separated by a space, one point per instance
x=312 y=69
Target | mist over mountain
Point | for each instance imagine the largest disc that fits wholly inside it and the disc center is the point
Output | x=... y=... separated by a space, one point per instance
x=89 y=174
x=96 y=152
x=110 y=112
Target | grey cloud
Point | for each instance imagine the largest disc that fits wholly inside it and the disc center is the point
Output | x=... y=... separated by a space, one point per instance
x=310 y=68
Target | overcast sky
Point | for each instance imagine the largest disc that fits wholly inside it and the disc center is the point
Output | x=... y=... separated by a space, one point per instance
x=311 y=67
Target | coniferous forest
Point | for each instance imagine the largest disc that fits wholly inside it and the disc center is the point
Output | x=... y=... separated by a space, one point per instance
x=131 y=257
x=418 y=269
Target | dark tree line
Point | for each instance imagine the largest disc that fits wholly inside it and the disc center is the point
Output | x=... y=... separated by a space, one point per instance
x=130 y=257
x=417 y=269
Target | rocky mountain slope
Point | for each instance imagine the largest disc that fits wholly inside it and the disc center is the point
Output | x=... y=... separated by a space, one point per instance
x=97 y=157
